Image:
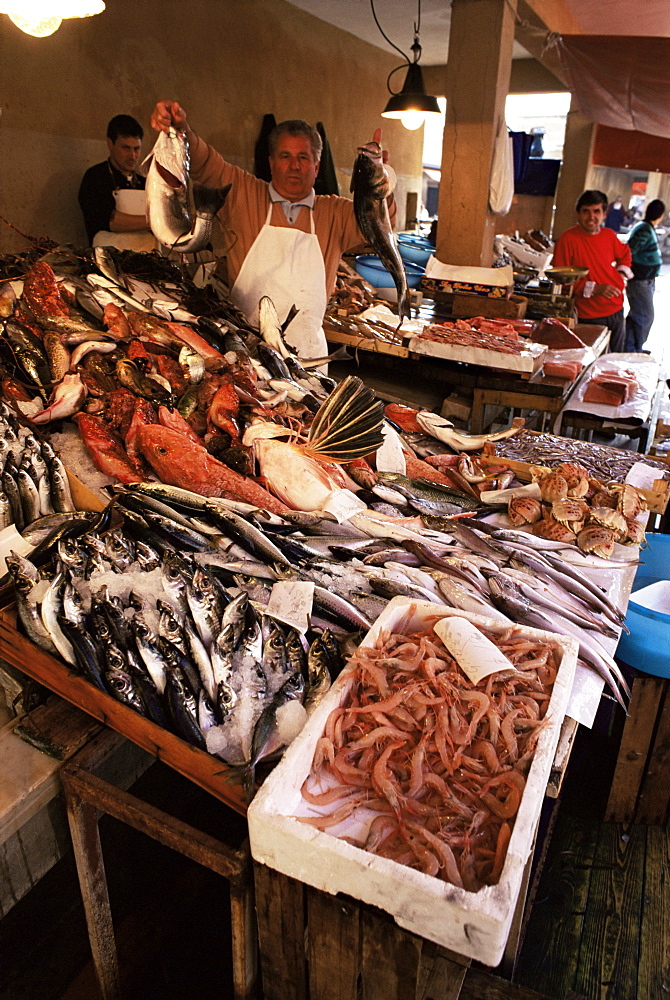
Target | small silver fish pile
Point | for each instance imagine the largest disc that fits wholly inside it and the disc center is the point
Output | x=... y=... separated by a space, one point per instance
x=174 y=637
x=599 y=460
x=34 y=482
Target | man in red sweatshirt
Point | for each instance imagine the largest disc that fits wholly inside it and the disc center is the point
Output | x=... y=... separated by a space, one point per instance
x=599 y=297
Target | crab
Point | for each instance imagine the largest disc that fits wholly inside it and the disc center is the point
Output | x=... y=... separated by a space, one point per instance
x=635 y=533
x=609 y=518
x=524 y=510
x=553 y=487
x=629 y=500
x=550 y=528
x=576 y=477
x=569 y=511
x=597 y=539
x=604 y=498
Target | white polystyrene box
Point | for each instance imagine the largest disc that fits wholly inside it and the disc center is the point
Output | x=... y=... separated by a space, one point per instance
x=473 y=924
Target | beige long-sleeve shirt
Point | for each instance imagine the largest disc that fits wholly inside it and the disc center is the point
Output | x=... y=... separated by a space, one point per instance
x=247 y=204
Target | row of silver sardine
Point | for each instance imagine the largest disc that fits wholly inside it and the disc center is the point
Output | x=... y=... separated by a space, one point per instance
x=33 y=482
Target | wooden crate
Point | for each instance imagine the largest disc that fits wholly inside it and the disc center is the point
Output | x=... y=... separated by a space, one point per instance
x=465 y=306
x=317 y=946
x=657 y=498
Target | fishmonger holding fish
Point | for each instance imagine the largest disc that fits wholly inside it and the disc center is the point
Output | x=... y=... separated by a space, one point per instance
x=287 y=240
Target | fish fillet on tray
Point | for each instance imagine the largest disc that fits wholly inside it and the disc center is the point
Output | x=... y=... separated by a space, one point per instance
x=282 y=834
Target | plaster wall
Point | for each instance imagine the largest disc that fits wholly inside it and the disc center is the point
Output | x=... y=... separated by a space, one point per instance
x=227 y=62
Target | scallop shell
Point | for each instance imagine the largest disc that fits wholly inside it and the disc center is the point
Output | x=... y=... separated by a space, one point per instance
x=550 y=528
x=597 y=539
x=524 y=510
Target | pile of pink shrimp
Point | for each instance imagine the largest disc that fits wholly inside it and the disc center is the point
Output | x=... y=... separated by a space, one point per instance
x=441 y=761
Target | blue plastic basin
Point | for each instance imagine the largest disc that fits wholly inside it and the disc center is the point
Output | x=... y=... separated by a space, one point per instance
x=415 y=249
x=372 y=269
x=647 y=648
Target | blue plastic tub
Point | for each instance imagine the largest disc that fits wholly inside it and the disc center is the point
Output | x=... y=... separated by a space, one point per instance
x=415 y=249
x=647 y=648
x=372 y=269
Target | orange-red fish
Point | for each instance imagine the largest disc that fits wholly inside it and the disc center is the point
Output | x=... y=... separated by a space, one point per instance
x=106 y=448
x=174 y=420
x=115 y=320
x=143 y=414
x=222 y=412
x=404 y=417
x=41 y=293
x=180 y=462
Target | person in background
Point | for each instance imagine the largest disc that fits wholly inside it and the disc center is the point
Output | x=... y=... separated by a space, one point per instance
x=111 y=194
x=616 y=215
x=599 y=296
x=646 y=265
x=286 y=240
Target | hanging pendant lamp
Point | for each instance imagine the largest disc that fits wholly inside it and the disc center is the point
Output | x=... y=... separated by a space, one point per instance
x=42 y=17
x=411 y=104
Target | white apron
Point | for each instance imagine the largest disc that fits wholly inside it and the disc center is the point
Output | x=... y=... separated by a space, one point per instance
x=287 y=265
x=129 y=201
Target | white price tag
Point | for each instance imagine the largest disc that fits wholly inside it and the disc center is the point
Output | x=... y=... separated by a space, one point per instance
x=476 y=655
x=291 y=601
x=343 y=504
x=390 y=456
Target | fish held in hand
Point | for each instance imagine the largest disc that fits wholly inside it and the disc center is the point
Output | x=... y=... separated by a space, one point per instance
x=180 y=213
x=371 y=186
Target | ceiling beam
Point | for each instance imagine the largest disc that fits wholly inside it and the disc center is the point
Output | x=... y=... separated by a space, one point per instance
x=533 y=33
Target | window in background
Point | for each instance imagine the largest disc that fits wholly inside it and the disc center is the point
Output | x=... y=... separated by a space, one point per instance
x=528 y=112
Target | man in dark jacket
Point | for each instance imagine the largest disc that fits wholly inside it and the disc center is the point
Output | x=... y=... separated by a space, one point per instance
x=646 y=265
x=111 y=194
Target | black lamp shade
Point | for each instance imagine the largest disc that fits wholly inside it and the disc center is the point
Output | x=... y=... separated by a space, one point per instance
x=412 y=97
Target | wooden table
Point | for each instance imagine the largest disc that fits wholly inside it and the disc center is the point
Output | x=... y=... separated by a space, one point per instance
x=398 y=374
x=641 y=430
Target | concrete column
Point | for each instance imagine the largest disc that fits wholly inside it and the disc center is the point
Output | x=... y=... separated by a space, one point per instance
x=654 y=181
x=477 y=80
x=574 y=175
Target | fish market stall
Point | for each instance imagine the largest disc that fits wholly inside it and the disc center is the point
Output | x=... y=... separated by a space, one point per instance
x=253 y=520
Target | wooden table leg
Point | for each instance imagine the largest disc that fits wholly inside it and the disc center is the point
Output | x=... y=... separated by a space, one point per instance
x=477 y=414
x=631 y=762
x=87 y=793
x=655 y=792
x=83 y=821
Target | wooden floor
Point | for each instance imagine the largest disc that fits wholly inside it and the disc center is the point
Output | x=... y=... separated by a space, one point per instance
x=600 y=921
x=599 y=927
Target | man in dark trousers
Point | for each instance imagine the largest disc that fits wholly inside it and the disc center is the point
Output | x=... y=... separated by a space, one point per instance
x=598 y=297
x=647 y=261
